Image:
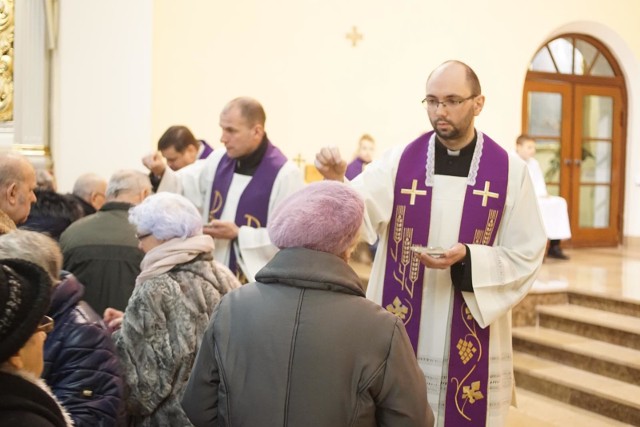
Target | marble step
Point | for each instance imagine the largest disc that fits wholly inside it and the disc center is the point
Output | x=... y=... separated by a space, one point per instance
x=595 y=356
x=602 y=395
x=614 y=328
x=625 y=306
x=536 y=410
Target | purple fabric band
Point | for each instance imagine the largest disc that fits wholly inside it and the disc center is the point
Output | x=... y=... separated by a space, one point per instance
x=354 y=168
x=468 y=372
x=253 y=207
x=206 y=149
x=466 y=402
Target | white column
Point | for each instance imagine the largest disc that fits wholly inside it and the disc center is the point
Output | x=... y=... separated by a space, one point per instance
x=31 y=73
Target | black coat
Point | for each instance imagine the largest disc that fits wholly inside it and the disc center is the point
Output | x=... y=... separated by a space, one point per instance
x=26 y=403
x=81 y=363
x=303 y=347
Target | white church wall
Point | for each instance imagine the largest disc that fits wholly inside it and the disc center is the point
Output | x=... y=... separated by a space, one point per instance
x=317 y=89
x=101 y=108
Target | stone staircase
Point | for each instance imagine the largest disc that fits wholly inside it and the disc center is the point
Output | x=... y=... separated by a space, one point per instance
x=582 y=350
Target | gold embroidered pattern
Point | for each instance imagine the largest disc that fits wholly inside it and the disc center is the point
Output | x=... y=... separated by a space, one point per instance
x=398 y=225
x=470 y=351
x=397 y=309
x=465 y=350
x=413 y=191
x=252 y=221
x=472 y=393
x=483 y=237
x=486 y=193
x=408 y=265
x=216 y=205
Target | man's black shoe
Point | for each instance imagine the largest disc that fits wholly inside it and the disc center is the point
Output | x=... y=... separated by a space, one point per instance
x=556 y=252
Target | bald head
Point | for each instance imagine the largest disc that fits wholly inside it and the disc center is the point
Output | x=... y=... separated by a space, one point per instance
x=91 y=188
x=250 y=110
x=458 y=70
x=17 y=182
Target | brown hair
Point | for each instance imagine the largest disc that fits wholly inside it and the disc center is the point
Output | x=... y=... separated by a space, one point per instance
x=178 y=137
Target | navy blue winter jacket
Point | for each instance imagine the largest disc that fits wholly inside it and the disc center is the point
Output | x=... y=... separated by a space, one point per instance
x=81 y=364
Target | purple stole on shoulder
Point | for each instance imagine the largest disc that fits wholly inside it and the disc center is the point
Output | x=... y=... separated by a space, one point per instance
x=253 y=207
x=354 y=168
x=206 y=149
x=468 y=372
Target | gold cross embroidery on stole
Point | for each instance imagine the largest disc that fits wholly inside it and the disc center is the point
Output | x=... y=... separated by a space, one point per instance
x=486 y=193
x=413 y=191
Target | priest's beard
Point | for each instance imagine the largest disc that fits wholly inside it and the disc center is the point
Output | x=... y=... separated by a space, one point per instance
x=457 y=130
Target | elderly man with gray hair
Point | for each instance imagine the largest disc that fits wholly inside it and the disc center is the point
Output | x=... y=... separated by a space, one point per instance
x=101 y=250
x=17 y=182
x=302 y=346
x=89 y=191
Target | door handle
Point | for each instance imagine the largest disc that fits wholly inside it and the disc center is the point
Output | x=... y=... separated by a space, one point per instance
x=577 y=162
x=567 y=162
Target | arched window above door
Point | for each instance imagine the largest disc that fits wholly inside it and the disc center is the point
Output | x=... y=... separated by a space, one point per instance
x=573 y=55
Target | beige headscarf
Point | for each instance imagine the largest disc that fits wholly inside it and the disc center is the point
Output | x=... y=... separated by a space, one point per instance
x=173 y=252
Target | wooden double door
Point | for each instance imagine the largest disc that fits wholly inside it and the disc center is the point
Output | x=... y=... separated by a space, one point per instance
x=580 y=139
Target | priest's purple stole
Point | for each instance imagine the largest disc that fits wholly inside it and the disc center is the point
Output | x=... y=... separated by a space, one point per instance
x=354 y=168
x=206 y=149
x=468 y=371
x=253 y=207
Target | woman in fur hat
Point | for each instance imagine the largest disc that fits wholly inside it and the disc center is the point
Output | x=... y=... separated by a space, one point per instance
x=25 y=400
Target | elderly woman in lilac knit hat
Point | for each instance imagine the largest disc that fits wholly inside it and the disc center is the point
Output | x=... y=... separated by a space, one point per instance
x=302 y=345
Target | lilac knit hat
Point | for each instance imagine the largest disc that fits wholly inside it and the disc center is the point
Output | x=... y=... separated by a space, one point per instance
x=325 y=216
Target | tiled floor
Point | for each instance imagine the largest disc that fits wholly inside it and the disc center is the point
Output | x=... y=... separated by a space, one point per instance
x=613 y=271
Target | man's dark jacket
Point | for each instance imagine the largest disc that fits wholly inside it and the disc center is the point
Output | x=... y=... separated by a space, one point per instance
x=101 y=250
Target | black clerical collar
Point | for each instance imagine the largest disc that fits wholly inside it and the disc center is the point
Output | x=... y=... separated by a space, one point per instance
x=247 y=165
x=455 y=163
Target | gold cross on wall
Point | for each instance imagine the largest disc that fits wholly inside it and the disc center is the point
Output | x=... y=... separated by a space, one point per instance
x=486 y=193
x=414 y=192
x=354 y=36
x=298 y=160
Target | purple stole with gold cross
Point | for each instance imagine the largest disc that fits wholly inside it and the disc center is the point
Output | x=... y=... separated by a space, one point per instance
x=253 y=207
x=484 y=201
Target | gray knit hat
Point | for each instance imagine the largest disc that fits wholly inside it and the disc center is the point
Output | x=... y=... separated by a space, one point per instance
x=25 y=294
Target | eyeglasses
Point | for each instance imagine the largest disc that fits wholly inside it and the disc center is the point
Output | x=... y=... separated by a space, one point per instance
x=46 y=325
x=450 y=103
x=143 y=236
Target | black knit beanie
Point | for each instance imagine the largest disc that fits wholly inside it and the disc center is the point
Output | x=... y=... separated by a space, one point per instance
x=25 y=294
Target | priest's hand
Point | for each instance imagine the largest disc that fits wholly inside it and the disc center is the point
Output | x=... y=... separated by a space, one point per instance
x=221 y=229
x=452 y=255
x=155 y=163
x=330 y=164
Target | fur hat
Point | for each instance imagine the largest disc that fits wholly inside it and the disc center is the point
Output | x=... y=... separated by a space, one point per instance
x=325 y=216
x=25 y=294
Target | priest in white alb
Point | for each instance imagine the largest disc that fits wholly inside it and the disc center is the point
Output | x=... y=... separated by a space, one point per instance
x=554 y=211
x=461 y=241
x=236 y=188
